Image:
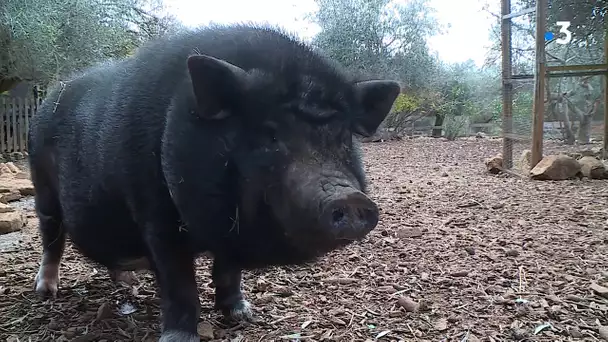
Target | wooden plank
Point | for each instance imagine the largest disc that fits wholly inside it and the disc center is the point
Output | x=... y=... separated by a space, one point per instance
x=3 y=115
x=558 y=74
x=517 y=14
x=19 y=124
x=483 y=125
x=539 y=84
x=16 y=125
x=22 y=116
x=507 y=87
x=13 y=135
x=582 y=67
x=605 y=150
x=32 y=109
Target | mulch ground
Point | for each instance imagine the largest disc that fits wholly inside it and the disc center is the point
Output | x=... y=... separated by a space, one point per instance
x=459 y=255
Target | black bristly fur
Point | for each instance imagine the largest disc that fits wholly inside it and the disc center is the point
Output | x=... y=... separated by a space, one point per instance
x=125 y=158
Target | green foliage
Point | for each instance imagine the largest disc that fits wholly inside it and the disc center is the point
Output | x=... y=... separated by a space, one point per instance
x=522 y=111
x=44 y=39
x=406 y=103
x=454 y=126
x=379 y=37
x=456 y=98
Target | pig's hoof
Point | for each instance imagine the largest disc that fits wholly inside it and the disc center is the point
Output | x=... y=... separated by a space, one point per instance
x=240 y=312
x=46 y=283
x=178 y=336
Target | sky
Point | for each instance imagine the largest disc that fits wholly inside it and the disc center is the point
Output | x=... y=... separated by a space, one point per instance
x=466 y=38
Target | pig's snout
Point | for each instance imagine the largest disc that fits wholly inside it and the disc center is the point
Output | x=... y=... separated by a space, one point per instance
x=350 y=216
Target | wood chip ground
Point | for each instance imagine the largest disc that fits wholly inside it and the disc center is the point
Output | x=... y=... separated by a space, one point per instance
x=459 y=255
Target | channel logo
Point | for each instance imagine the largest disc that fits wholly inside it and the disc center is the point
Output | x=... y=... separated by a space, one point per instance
x=563 y=28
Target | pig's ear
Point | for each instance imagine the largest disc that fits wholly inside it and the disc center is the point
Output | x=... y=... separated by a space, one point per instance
x=376 y=99
x=216 y=84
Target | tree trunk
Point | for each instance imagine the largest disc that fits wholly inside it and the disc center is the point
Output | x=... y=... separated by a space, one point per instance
x=586 y=118
x=584 y=130
x=562 y=108
x=438 y=129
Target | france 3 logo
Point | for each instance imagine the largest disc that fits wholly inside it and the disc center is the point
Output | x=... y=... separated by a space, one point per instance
x=563 y=29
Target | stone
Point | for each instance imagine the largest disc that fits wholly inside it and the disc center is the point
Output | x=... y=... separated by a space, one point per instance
x=27 y=190
x=413 y=232
x=17 y=155
x=556 y=167
x=205 y=331
x=408 y=304
x=16 y=184
x=11 y=222
x=494 y=164
x=5 y=208
x=512 y=253
x=11 y=196
x=593 y=168
x=12 y=167
x=593 y=152
x=524 y=161
x=21 y=175
x=4 y=170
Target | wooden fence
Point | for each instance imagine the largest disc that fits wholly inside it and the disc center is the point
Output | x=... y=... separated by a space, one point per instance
x=15 y=114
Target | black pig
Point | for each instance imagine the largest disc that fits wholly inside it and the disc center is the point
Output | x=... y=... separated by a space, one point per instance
x=235 y=140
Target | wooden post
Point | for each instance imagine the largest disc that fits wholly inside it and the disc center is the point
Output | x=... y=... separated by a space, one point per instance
x=13 y=144
x=540 y=74
x=507 y=86
x=26 y=119
x=3 y=116
x=22 y=116
x=22 y=104
x=605 y=149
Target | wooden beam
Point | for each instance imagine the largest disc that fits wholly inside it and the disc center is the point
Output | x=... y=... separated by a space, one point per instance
x=539 y=84
x=517 y=14
x=561 y=74
x=601 y=67
x=507 y=87
x=605 y=149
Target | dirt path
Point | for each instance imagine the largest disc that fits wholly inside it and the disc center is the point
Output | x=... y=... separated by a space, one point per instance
x=488 y=257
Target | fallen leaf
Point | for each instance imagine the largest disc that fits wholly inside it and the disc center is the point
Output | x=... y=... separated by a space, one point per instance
x=441 y=324
x=104 y=312
x=408 y=304
x=205 y=330
x=541 y=327
x=127 y=309
x=382 y=333
x=599 y=290
x=305 y=324
x=603 y=332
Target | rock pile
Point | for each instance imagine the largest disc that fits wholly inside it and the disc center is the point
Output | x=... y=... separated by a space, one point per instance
x=593 y=168
x=557 y=166
x=14 y=185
